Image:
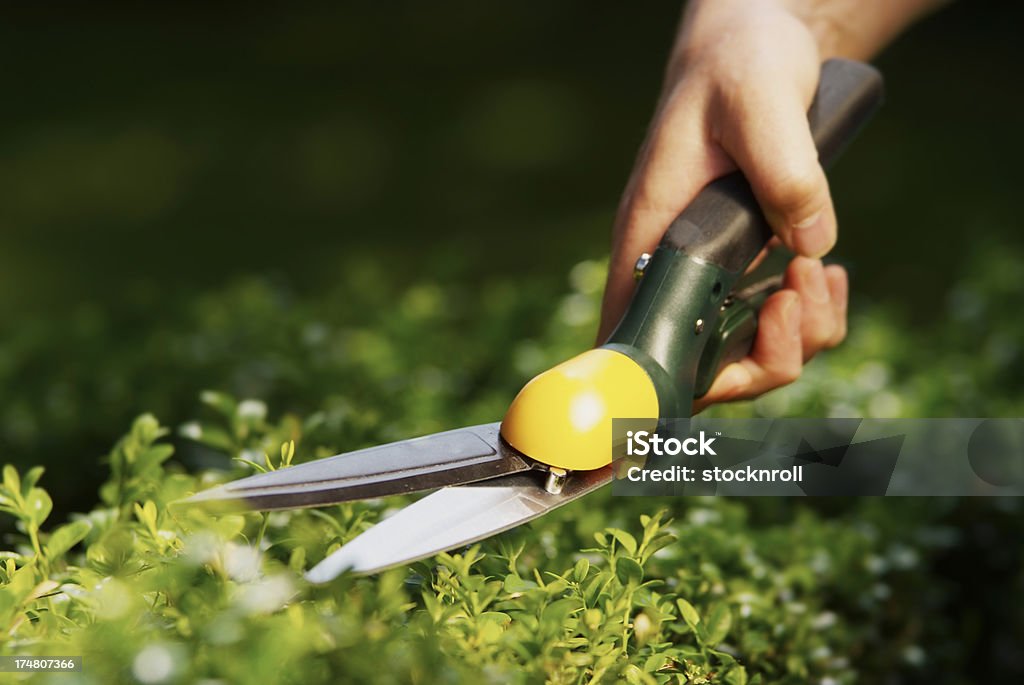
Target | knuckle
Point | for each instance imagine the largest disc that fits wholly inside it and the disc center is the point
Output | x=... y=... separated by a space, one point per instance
x=838 y=336
x=823 y=336
x=787 y=373
x=792 y=374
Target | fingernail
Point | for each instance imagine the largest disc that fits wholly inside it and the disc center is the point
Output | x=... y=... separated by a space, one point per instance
x=817 y=286
x=811 y=236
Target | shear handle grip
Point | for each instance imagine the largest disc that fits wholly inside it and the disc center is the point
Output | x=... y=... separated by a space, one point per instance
x=724 y=225
x=736 y=328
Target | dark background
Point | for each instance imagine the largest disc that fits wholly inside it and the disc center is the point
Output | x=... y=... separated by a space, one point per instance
x=154 y=153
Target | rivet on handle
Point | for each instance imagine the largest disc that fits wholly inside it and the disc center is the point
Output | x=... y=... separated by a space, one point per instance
x=641 y=265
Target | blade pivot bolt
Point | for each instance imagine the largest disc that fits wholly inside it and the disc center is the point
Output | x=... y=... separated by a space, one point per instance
x=556 y=480
x=641 y=265
x=698 y=327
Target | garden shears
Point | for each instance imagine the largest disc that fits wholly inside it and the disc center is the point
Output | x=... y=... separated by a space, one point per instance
x=694 y=311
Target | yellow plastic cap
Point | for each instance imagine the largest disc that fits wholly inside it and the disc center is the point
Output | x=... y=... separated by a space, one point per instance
x=563 y=417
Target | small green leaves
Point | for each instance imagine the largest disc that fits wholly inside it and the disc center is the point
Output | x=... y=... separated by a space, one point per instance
x=136 y=464
x=736 y=676
x=287 y=452
x=221 y=402
x=688 y=613
x=628 y=571
x=580 y=570
x=38 y=506
x=12 y=483
x=627 y=541
x=718 y=624
x=527 y=606
x=513 y=584
x=20 y=497
x=66 y=537
x=27 y=503
x=146 y=514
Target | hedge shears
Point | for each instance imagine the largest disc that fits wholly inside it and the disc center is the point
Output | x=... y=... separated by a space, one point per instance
x=694 y=310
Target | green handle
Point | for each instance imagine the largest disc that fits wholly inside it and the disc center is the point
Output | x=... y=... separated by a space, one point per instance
x=737 y=321
x=679 y=309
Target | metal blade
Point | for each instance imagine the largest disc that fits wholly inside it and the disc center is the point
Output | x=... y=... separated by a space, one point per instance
x=454 y=517
x=454 y=457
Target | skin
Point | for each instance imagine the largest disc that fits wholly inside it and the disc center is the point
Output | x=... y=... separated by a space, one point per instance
x=738 y=84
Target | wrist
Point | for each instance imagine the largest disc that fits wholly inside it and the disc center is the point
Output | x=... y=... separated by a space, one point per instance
x=857 y=29
x=722 y=26
x=827 y=21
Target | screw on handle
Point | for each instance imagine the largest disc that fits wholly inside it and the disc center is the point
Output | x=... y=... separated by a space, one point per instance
x=724 y=224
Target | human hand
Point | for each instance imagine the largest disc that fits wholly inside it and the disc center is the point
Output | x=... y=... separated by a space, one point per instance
x=737 y=90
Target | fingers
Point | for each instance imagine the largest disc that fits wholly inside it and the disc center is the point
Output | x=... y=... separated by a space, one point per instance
x=775 y=359
x=839 y=289
x=805 y=317
x=819 y=318
x=768 y=136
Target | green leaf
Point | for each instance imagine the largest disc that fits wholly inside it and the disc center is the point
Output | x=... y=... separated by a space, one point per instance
x=627 y=541
x=146 y=430
x=655 y=662
x=633 y=675
x=297 y=559
x=554 y=615
x=66 y=537
x=579 y=572
x=497 y=617
x=595 y=587
x=658 y=542
x=146 y=514
x=20 y=587
x=11 y=480
x=38 y=506
x=217 y=438
x=718 y=624
x=628 y=571
x=689 y=614
x=223 y=403
x=259 y=468
x=287 y=452
x=154 y=456
x=30 y=479
x=736 y=676
x=514 y=584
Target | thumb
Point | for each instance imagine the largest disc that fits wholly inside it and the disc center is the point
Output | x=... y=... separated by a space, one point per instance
x=771 y=143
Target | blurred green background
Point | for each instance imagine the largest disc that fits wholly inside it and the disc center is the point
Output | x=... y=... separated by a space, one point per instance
x=149 y=155
x=382 y=209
